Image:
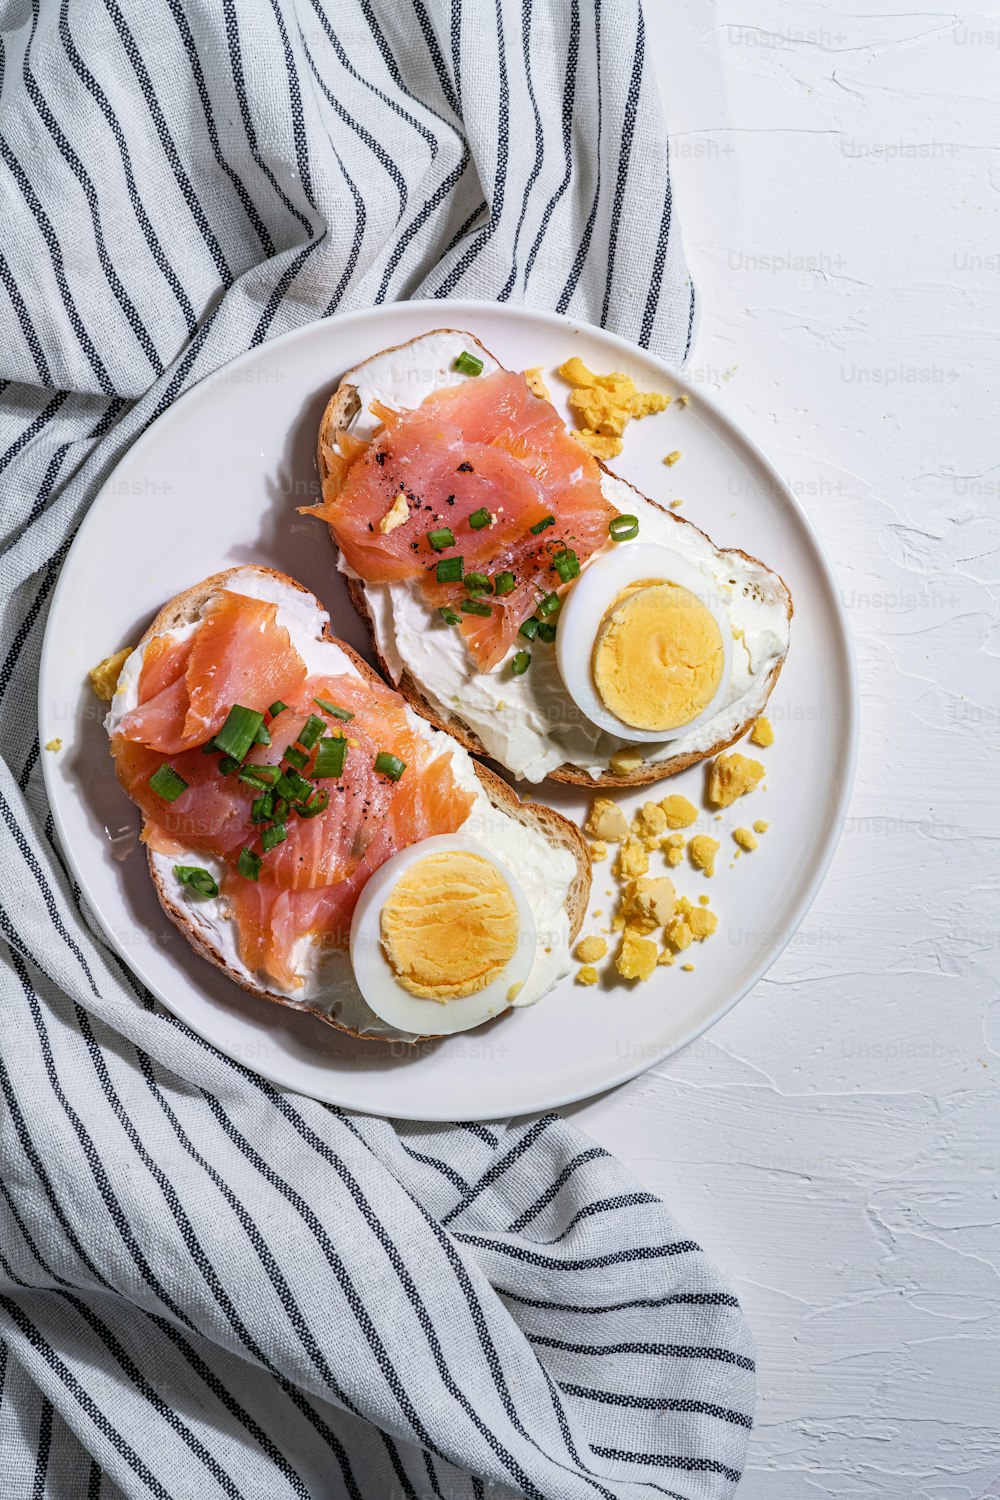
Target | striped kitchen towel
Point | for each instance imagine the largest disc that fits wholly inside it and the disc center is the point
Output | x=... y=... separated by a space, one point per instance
x=209 y=1287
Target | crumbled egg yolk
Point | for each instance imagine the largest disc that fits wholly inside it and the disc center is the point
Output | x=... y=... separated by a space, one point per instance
x=732 y=776
x=604 y=405
x=703 y=850
x=760 y=826
x=679 y=812
x=535 y=383
x=744 y=838
x=449 y=926
x=586 y=975
x=54 y=745
x=606 y=821
x=673 y=848
x=590 y=949
x=690 y=924
x=648 y=904
x=637 y=956
x=598 y=851
x=397 y=513
x=762 y=733
x=624 y=762
x=649 y=823
x=633 y=859
x=658 y=656
x=104 y=677
x=672 y=458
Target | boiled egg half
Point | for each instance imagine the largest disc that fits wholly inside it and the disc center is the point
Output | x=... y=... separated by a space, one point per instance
x=442 y=937
x=644 y=644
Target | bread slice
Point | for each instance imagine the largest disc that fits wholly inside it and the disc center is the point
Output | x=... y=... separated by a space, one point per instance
x=341 y=410
x=557 y=831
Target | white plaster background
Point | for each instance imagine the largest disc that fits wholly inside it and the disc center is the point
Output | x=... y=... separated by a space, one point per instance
x=835 y=1142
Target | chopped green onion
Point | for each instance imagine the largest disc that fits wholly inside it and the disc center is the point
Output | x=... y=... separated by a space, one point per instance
x=311 y=731
x=297 y=757
x=315 y=805
x=277 y=707
x=504 y=583
x=269 y=774
x=330 y=757
x=480 y=518
x=238 y=732
x=262 y=808
x=450 y=569
x=546 y=632
x=334 y=708
x=478 y=583
x=296 y=788
x=167 y=784
x=227 y=765
x=529 y=629
x=541 y=525
x=566 y=564
x=623 y=528
x=198 y=879
x=549 y=605
x=283 y=787
x=252 y=777
x=208 y=748
x=279 y=811
x=276 y=834
x=521 y=663
x=248 y=864
x=468 y=363
x=441 y=538
x=449 y=616
x=389 y=765
x=262 y=737
x=475 y=607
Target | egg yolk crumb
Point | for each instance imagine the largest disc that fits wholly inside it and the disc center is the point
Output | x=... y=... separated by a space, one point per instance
x=658 y=656
x=673 y=848
x=449 y=926
x=598 y=851
x=648 y=904
x=691 y=924
x=762 y=733
x=104 y=677
x=624 y=762
x=535 y=383
x=636 y=958
x=54 y=745
x=606 y=821
x=744 y=838
x=397 y=513
x=732 y=776
x=590 y=949
x=703 y=850
x=679 y=812
x=633 y=860
x=604 y=405
x=672 y=458
x=586 y=975
x=760 y=826
x=688 y=968
x=650 y=821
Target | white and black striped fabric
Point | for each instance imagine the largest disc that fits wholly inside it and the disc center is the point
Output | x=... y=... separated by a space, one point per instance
x=208 y=1287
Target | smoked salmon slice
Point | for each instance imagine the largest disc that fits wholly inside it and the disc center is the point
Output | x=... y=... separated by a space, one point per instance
x=335 y=833
x=486 y=461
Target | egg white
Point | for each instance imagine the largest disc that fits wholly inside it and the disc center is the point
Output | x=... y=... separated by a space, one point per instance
x=544 y=874
x=530 y=723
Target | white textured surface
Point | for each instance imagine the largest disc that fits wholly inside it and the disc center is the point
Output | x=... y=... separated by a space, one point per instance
x=835 y=1141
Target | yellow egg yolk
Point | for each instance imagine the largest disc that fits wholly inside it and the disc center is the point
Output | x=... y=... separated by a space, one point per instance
x=449 y=926
x=658 y=657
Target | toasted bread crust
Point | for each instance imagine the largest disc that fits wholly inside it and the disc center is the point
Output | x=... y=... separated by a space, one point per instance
x=558 y=831
x=339 y=412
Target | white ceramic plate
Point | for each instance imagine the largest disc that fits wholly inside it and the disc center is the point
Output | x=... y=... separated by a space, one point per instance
x=215 y=482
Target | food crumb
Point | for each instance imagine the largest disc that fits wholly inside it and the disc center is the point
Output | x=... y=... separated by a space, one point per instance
x=606 y=822
x=684 y=400
x=673 y=848
x=104 y=677
x=744 y=838
x=678 y=811
x=586 y=975
x=650 y=821
x=54 y=745
x=598 y=851
x=688 y=968
x=732 y=776
x=703 y=900
x=624 y=762
x=590 y=949
x=762 y=733
x=536 y=384
x=760 y=826
x=672 y=458
x=397 y=515
x=633 y=859
x=703 y=850
x=676 y=504
x=604 y=405
x=637 y=956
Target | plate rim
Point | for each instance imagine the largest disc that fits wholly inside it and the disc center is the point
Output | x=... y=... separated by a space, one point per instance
x=437 y=311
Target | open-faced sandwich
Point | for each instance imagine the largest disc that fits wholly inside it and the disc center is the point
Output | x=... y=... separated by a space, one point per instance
x=317 y=840
x=520 y=594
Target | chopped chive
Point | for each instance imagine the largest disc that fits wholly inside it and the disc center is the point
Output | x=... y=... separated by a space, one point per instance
x=250 y=776
x=389 y=765
x=311 y=731
x=238 y=732
x=298 y=788
x=541 y=525
x=529 y=629
x=268 y=774
x=166 y=783
x=475 y=607
x=330 y=757
x=248 y=864
x=198 y=879
x=208 y=748
x=441 y=538
x=262 y=808
x=227 y=765
x=279 y=809
x=450 y=569
x=262 y=737
x=276 y=834
x=315 y=805
x=623 y=528
x=297 y=757
x=566 y=564
x=521 y=663
x=334 y=708
x=468 y=363
x=478 y=583
x=277 y=707
x=546 y=632
x=549 y=605
x=283 y=787
x=480 y=518
x=449 y=616
x=505 y=583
